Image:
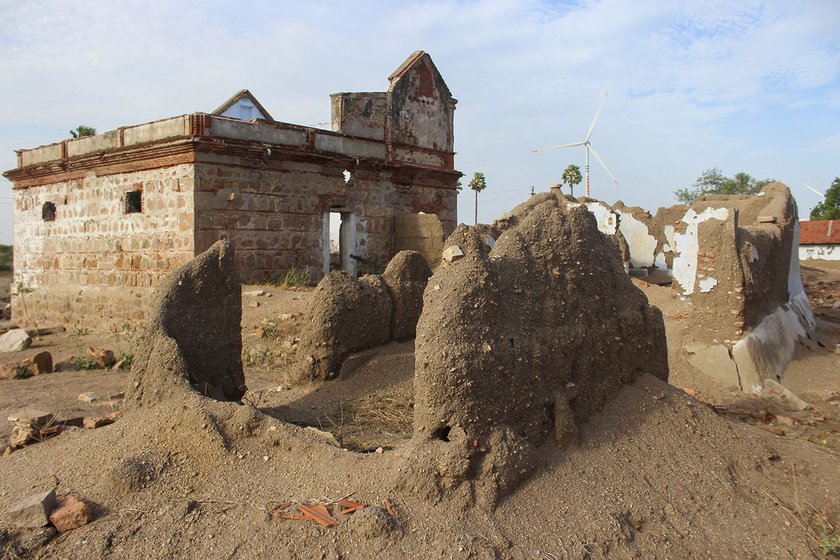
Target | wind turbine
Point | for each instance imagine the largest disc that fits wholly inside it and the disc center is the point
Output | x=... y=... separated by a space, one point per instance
x=588 y=146
x=821 y=195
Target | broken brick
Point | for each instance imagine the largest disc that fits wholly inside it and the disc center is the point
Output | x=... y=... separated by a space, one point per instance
x=70 y=514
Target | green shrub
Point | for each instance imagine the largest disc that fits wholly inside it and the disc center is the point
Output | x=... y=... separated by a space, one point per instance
x=85 y=363
x=5 y=258
x=125 y=360
x=294 y=278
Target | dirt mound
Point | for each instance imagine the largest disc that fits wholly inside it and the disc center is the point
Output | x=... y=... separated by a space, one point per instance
x=347 y=314
x=194 y=334
x=524 y=340
x=406 y=277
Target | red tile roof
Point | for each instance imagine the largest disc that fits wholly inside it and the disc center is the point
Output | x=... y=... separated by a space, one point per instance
x=819 y=232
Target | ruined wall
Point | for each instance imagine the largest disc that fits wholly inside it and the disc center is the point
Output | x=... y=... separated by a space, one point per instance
x=419 y=232
x=276 y=219
x=95 y=265
x=819 y=252
x=359 y=114
x=420 y=108
x=736 y=259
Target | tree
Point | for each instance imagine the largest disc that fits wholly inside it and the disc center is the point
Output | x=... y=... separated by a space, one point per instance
x=571 y=177
x=829 y=208
x=713 y=181
x=478 y=184
x=83 y=130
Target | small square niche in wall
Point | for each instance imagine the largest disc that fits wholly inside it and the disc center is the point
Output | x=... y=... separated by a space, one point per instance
x=133 y=202
x=48 y=212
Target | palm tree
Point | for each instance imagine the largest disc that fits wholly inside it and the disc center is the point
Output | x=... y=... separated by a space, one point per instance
x=571 y=177
x=478 y=184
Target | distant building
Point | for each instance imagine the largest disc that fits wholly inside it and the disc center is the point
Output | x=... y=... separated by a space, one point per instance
x=819 y=239
x=99 y=220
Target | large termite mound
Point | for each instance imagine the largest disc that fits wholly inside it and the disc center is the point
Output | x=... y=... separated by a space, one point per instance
x=522 y=341
x=347 y=314
x=193 y=336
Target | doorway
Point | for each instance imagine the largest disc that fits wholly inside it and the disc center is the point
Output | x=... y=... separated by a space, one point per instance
x=339 y=226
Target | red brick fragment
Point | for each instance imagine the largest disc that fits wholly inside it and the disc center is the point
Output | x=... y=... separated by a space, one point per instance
x=70 y=514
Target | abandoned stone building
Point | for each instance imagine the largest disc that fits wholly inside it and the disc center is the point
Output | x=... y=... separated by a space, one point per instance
x=100 y=219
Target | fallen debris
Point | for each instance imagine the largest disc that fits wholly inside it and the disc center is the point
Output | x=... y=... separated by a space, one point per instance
x=15 y=340
x=31 y=426
x=775 y=390
x=317 y=513
x=69 y=514
x=93 y=422
x=33 y=511
x=350 y=506
x=101 y=357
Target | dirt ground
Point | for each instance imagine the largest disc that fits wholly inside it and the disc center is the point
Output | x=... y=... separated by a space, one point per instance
x=657 y=473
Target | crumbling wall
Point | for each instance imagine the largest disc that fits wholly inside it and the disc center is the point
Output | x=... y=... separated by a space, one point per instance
x=276 y=218
x=194 y=334
x=419 y=232
x=520 y=342
x=420 y=109
x=736 y=258
x=90 y=257
x=347 y=315
x=360 y=114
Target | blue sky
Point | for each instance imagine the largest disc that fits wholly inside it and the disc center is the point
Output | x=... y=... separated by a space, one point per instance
x=744 y=86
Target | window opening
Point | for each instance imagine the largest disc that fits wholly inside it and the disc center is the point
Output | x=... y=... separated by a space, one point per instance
x=133 y=202
x=48 y=212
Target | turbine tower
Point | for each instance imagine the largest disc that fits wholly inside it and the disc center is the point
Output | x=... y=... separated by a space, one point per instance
x=588 y=147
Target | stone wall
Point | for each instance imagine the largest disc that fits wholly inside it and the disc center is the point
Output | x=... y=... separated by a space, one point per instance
x=277 y=220
x=95 y=265
x=419 y=232
x=359 y=114
x=270 y=188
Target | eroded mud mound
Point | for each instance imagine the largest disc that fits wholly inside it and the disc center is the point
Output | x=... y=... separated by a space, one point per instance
x=524 y=341
x=348 y=314
x=194 y=333
x=406 y=276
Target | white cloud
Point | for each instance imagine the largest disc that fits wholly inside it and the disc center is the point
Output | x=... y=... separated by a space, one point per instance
x=683 y=77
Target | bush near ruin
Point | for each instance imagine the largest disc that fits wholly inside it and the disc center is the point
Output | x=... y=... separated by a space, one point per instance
x=520 y=342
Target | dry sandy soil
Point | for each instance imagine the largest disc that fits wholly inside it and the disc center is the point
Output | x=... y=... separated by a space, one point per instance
x=657 y=474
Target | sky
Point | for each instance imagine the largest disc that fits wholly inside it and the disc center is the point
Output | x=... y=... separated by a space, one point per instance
x=740 y=85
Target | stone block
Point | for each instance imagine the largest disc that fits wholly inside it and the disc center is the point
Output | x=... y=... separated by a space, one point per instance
x=714 y=361
x=15 y=340
x=33 y=511
x=776 y=390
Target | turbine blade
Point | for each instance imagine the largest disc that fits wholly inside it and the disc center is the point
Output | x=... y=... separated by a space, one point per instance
x=592 y=126
x=604 y=165
x=572 y=145
x=815 y=190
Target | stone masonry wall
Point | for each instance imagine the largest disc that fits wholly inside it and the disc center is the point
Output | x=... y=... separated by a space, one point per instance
x=94 y=266
x=276 y=218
